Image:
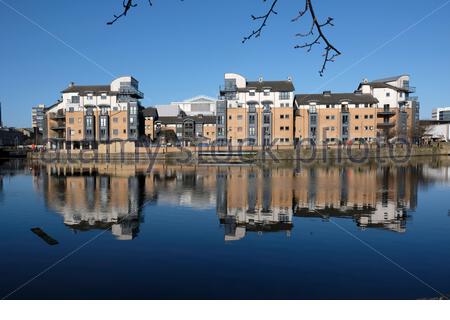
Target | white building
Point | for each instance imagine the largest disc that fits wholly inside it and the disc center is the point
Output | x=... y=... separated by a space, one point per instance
x=397 y=106
x=200 y=105
x=441 y=114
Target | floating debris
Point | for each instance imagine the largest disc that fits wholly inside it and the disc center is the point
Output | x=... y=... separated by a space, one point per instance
x=44 y=236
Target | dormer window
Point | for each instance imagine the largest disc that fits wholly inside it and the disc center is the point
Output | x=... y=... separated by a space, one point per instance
x=252 y=93
x=89 y=96
x=104 y=96
x=266 y=92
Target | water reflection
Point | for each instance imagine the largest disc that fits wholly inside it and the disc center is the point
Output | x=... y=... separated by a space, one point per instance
x=246 y=199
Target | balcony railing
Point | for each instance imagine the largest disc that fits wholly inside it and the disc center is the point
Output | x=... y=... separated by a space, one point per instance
x=131 y=91
x=228 y=88
x=410 y=89
x=58 y=128
x=385 y=125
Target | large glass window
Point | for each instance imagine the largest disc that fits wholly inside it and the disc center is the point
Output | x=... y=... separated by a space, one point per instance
x=285 y=95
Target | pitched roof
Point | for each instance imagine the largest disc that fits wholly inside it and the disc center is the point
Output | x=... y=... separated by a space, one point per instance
x=389 y=79
x=278 y=86
x=181 y=118
x=385 y=85
x=150 y=112
x=335 y=98
x=83 y=90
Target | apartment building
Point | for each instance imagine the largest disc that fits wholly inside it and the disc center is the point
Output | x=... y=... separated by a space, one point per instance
x=332 y=117
x=441 y=114
x=180 y=129
x=90 y=115
x=37 y=118
x=398 y=111
x=380 y=109
x=255 y=112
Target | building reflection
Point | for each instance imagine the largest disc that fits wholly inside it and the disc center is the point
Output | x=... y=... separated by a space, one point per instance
x=247 y=199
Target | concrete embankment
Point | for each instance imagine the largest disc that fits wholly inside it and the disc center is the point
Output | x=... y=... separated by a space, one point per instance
x=249 y=154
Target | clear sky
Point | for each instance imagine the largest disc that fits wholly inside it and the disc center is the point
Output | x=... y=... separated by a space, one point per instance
x=182 y=49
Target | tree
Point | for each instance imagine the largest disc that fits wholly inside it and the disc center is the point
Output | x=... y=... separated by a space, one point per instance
x=315 y=34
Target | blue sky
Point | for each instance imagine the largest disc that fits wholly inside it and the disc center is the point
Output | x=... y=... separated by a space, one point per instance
x=182 y=49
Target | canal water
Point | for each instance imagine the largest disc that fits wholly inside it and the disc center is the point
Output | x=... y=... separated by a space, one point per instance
x=129 y=231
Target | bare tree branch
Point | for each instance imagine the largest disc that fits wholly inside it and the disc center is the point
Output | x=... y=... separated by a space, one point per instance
x=127 y=5
x=257 y=33
x=330 y=52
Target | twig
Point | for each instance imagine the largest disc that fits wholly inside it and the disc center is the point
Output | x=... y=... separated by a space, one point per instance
x=330 y=51
x=257 y=33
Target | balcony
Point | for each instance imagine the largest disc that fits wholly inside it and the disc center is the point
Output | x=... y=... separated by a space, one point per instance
x=385 y=125
x=58 y=128
x=132 y=91
x=58 y=116
x=410 y=89
x=228 y=89
x=386 y=113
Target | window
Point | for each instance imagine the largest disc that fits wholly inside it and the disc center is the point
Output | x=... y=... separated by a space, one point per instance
x=71 y=120
x=90 y=97
x=286 y=116
x=281 y=116
x=124 y=131
x=75 y=99
x=333 y=128
x=239 y=117
x=266 y=92
x=251 y=119
x=366 y=128
x=133 y=110
x=251 y=131
x=266 y=118
x=356 y=128
x=388 y=94
x=371 y=116
x=115 y=132
x=230 y=117
x=285 y=95
x=239 y=129
x=252 y=93
x=356 y=117
x=366 y=116
x=282 y=128
x=286 y=128
x=102 y=122
x=220 y=120
x=124 y=120
x=89 y=121
x=131 y=120
x=115 y=120
x=104 y=96
x=371 y=128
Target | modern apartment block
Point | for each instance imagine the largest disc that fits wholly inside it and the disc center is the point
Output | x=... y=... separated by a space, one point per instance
x=332 y=117
x=183 y=129
x=255 y=112
x=398 y=111
x=380 y=109
x=37 y=117
x=441 y=114
x=88 y=116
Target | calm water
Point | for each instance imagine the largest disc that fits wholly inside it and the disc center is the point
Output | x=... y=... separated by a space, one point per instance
x=225 y=232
